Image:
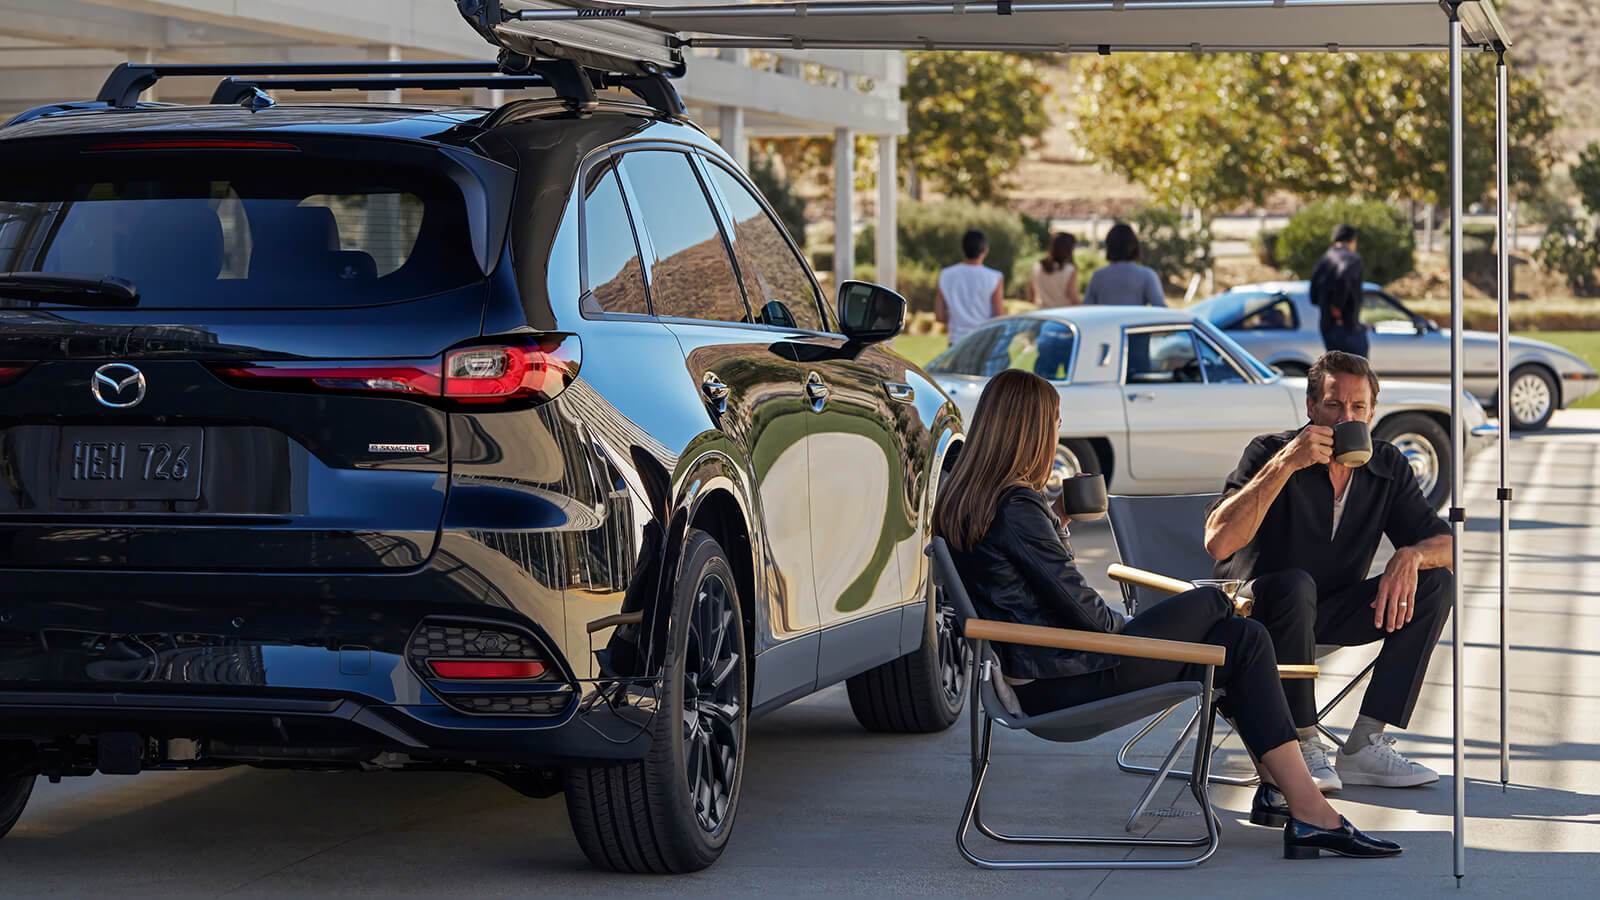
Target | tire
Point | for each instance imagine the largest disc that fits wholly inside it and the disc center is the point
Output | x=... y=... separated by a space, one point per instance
x=14 y=791
x=1533 y=398
x=673 y=810
x=1076 y=457
x=923 y=691
x=1427 y=447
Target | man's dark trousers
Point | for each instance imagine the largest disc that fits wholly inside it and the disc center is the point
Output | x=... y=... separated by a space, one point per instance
x=1298 y=619
x=1350 y=340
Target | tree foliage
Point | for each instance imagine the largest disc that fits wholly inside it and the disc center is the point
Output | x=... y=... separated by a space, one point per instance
x=1223 y=129
x=780 y=192
x=970 y=118
x=1570 y=245
x=1387 y=244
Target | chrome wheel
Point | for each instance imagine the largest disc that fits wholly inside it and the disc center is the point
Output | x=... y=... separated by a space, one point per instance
x=954 y=653
x=1067 y=464
x=1423 y=457
x=1531 y=399
x=712 y=714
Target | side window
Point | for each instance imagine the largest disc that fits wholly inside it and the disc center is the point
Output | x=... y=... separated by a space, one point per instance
x=611 y=256
x=691 y=276
x=780 y=290
x=1276 y=316
x=970 y=355
x=1162 y=357
x=1215 y=366
x=1053 y=352
x=1377 y=309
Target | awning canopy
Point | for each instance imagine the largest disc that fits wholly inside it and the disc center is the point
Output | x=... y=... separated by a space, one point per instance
x=658 y=31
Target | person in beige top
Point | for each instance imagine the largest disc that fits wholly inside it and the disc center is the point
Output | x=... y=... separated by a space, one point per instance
x=1055 y=279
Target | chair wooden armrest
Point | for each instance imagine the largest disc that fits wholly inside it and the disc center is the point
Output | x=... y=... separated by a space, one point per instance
x=1288 y=670
x=1146 y=578
x=1095 y=642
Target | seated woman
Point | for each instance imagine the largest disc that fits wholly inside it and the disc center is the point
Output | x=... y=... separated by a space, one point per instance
x=1015 y=561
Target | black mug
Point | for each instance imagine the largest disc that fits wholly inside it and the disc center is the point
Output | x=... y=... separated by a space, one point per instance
x=1082 y=496
x=1352 y=444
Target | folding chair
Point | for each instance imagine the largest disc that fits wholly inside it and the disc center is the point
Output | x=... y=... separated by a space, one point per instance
x=1166 y=534
x=1079 y=723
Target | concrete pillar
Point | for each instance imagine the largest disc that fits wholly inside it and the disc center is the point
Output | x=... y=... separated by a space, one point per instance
x=844 y=177
x=888 y=200
x=732 y=134
x=384 y=53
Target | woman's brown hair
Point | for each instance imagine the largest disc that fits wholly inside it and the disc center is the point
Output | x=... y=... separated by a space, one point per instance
x=1010 y=440
x=1062 y=246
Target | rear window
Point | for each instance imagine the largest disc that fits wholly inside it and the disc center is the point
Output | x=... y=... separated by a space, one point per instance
x=243 y=232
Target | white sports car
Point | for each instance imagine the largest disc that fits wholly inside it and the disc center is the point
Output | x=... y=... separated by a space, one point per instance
x=1161 y=401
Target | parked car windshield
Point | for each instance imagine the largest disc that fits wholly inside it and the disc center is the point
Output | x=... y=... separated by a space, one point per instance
x=1037 y=345
x=1243 y=356
x=239 y=231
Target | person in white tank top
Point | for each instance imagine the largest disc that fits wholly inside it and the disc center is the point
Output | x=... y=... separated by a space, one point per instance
x=970 y=293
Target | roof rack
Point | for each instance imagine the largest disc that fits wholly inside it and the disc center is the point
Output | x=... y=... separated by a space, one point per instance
x=247 y=84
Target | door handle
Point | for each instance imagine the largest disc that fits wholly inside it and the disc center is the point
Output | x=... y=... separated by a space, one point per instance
x=899 y=391
x=1136 y=396
x=715 y=391
x=817 y=390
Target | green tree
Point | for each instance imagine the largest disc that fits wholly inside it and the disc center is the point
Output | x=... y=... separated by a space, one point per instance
x=1224 y=129
x=1570 y=245
x=780 y=192
x=970 y=117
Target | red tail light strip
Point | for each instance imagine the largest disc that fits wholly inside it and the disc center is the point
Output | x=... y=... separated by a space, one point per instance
x=486 y=669
x=10 y=372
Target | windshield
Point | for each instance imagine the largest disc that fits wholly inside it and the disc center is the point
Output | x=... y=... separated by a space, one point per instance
x=240 y=231
x=1264 y=371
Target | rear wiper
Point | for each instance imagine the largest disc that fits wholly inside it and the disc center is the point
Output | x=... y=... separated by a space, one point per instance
x=69 y=287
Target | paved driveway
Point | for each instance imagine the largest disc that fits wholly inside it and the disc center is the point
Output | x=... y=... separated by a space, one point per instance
x=830 y=810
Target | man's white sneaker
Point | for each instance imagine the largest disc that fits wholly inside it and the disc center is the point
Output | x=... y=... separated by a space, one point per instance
x=1316 y=756
x=1380 y=764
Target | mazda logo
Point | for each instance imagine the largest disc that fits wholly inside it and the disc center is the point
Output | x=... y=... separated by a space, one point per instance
x=117 y=385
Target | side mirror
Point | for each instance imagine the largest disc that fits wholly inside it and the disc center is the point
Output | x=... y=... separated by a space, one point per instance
x=870 y=313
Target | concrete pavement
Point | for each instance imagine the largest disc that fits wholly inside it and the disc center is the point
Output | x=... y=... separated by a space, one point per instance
x=829 y=810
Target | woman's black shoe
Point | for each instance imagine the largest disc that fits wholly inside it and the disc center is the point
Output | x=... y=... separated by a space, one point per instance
x=1269 y=807
x=1303 y=841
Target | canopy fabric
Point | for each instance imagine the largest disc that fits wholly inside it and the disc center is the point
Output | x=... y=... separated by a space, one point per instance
x=1067 y=26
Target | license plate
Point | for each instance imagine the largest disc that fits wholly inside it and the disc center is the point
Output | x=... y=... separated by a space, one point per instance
x=129 y=463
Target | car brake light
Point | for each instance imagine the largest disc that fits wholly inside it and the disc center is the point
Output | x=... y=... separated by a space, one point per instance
x=495 y=373
x=486 y=669
x=501 y=372
x=10 y=372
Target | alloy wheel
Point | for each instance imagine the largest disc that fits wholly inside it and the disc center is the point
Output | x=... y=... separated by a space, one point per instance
x=954 y=652
x=1423 y=457
x=1530 y=398
x=712 y=714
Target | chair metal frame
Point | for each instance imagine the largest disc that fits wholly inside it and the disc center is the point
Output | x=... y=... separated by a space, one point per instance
x=979 y=633
x=1131 y=578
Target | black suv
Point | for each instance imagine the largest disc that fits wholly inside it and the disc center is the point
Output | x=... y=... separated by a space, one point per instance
x=518 y=440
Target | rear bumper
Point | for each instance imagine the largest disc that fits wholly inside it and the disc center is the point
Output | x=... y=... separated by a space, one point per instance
x=1577 y=385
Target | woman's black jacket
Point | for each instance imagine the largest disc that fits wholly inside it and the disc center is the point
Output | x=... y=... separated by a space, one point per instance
x=1023 y=571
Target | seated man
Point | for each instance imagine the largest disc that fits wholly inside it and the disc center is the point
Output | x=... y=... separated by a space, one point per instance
x=1304 y=529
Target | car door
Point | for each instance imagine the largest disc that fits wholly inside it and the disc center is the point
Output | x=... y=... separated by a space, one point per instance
x=1190 y=408
x=1397 y=348
x=859 y=426
x=753 y=391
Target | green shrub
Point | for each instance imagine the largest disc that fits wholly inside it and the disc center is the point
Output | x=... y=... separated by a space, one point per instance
x=918 y=284
x=1571 y=250
x=1038 y=230
x=1170 y=243
x=780 y=192
x=930 y=235
x=1087 y=259
x=1387 y=246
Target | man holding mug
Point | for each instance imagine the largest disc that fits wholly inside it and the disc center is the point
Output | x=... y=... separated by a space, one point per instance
x=1301 y=519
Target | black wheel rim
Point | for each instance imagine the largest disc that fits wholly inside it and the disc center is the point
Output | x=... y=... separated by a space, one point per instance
x=713 y=712
x=953 y=653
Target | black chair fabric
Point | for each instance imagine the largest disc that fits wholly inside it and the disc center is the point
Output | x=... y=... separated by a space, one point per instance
x=1164 y=534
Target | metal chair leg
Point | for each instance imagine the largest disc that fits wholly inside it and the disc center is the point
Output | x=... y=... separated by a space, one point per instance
x=1161 y=774
x=1136 y=769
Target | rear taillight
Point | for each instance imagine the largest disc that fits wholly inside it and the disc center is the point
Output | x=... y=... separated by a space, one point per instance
x=500 y=372
x=10 y=372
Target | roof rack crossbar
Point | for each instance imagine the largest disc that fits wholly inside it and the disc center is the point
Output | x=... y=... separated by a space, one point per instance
x=127 y=81
x=234 y=90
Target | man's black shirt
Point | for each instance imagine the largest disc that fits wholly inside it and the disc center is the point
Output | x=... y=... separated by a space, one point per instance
x=1336 y=285
x=1294 y=534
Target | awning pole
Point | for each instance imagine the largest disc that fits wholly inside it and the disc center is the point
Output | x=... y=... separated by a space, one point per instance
x=1457 y=443
x=1502 y=390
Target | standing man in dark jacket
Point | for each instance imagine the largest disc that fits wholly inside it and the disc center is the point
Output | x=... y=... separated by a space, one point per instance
x=1336 y=288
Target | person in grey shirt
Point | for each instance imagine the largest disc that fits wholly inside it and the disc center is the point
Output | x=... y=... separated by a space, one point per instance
x=1123 y=282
